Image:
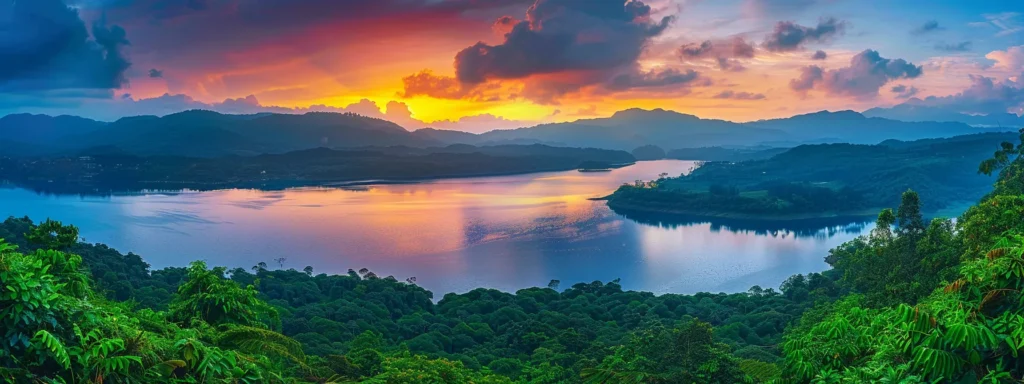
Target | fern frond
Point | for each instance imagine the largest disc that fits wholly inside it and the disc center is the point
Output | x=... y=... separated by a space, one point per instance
x=54 y=346
x=258 y=340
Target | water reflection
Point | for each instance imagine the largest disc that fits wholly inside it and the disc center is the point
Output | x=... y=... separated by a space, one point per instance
x=812 y=227
x=506 y=232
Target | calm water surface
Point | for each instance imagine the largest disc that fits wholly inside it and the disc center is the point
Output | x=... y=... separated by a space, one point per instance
x=506 y=232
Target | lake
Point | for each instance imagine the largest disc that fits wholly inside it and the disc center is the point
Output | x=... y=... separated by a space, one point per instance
x=453 y=235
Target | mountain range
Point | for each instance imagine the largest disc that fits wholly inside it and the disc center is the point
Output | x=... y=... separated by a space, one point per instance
x=912 y=112
x=206 y=134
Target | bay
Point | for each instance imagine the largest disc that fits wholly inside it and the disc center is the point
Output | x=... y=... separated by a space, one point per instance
x=453 y=235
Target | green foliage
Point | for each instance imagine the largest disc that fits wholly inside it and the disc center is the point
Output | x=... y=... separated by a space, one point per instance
x=56 y=329
x=52 y=234
x=405 y=369
x=207 y=296
x=904 y=266
x=686 y=353
x=969 y=328
x=828 y=179
x=1007 y=161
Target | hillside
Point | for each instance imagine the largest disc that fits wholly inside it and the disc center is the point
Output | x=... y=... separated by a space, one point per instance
x=911 y=112
x=633 y=128
x=44 y=130
x=813 y=181
x=724 y=153
x=210 y=134
x=207 y=134
x=855 y=128
x=107 y=171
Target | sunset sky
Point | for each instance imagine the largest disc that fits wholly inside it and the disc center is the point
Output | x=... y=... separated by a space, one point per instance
x=482 y=64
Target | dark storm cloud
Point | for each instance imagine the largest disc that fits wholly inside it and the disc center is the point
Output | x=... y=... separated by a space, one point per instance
x=985 y=95
x=192 y=34
x=929 y=26
x=561 y=36
x=273 y=14
x=504 y=24
x=156 y=73
x=904 y=92
x=653 y=79
x=739 y=95
x=819 y=55
x=868 y=72
x=724 y=52
x=45 y=46
x=958 y=47
x=789 y=36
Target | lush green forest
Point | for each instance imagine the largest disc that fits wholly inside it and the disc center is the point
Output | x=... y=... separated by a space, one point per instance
x=915 y=301
x=823 y=180
x=104 y=170
x=725 y=154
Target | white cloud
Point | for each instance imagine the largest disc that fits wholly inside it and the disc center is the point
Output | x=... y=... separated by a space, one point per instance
x=1012 y=59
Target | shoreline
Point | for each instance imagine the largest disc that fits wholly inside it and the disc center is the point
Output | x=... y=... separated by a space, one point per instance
x=143 y=187
x=873 y=212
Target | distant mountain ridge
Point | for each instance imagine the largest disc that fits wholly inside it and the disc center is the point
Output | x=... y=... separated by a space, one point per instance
x=911 y=112
x=39 y=129
x=852 y=127
x=208 y=134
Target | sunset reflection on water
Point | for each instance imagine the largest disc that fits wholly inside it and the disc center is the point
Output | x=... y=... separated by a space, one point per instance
x=503 y=232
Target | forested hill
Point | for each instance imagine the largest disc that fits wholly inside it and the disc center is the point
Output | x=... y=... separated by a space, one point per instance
x=112 y=171
x=199 y=133
x=824 y=180
x=915 y=301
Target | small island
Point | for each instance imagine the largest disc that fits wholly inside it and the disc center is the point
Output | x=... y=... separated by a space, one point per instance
x=821 y=181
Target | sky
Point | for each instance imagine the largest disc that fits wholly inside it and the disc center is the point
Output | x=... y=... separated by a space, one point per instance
x=477 y=65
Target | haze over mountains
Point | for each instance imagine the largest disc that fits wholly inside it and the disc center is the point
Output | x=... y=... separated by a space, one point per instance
x=206 y=133
x=911 y=112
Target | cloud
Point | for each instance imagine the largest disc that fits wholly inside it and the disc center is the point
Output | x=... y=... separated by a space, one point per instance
x=504 y=25
x=739 y=95
x=480 y=123
x=653 y=79
x=809 y=76
x=819 y=55
x=868 y=72
x=156 y=73
x=985 y=95
x=278 y=15
x=426 y=83
x=789 y=36
x=586 y=112
x=45 y=46
x=1012 y=59
x=601 y=37
x=220 y=48
x=724 y=52
x=958 y=47
x=904 y=92
x=1006 y=23
x=927 y=27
